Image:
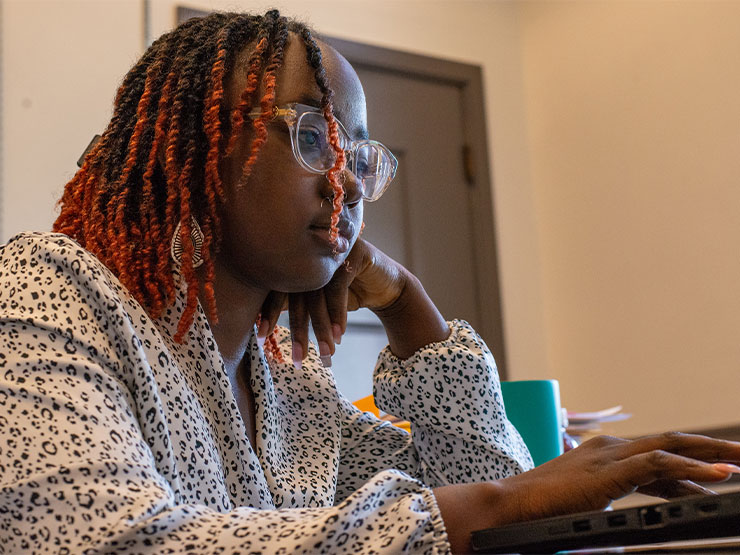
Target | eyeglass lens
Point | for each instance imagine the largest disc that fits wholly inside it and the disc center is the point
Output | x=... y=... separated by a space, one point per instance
x=368 y=162
x=313 y=142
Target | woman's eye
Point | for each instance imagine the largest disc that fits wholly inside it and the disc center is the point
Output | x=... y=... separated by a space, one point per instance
x=361 y=167
x=310 y=138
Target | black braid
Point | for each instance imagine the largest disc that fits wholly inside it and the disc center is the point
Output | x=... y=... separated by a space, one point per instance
x=313 y=56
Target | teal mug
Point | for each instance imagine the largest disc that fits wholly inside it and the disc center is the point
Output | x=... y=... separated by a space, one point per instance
x=533 y=407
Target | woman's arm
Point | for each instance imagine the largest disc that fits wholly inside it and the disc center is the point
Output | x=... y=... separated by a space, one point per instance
x=450 y=392
x=370 y=279
x=438 y=375
x=589 y=477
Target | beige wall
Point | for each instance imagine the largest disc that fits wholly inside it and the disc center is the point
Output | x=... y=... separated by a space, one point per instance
x=614 y=131
x=634 y=124
x=62 y=62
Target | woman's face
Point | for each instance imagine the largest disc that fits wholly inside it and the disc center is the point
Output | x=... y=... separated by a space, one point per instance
x=276 y=227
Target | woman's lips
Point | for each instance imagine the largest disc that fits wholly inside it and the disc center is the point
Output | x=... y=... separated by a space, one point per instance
x=323 y=234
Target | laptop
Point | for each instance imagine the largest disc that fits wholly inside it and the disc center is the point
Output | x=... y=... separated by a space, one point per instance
x=696 y=517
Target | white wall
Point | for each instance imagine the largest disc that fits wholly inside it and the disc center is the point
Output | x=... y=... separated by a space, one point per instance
x=614 y=146
x=634 y=126
x=62 y=63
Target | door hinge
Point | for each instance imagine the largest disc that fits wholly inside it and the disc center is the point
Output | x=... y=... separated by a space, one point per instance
x=467 y=159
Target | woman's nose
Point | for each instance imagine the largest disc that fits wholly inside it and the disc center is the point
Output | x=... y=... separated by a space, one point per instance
x=353 y=188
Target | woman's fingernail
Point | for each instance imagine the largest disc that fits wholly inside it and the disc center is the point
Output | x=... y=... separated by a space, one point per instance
x=325 y=354
x=724 y=467
x=263 y=330
x=297 y=355
x=336 y=331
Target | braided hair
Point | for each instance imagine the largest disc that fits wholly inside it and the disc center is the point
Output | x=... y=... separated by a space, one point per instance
x=124 y=204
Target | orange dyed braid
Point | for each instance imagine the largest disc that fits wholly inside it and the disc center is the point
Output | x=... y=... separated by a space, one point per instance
x=153 y=246
x=186 y=266
x=313 y=55
x=213 y=186
x=76 y=193
x=245 y=101
x=157 y=236
x=120 y=235
x=333 y=175
x=260 y=128
x=90 y=229
x=267 y=102
x=271 y=348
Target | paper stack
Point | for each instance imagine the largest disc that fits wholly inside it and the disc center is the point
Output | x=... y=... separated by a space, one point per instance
x=580 y=424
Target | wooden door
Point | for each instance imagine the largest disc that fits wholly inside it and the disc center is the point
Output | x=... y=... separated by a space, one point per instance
x=436 y=217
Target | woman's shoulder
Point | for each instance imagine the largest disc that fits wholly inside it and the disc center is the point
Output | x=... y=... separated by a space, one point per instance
x=42 y=238
x=46 y=245
x=43 y=261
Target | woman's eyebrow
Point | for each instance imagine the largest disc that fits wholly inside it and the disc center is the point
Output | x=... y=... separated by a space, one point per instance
x=361 y=133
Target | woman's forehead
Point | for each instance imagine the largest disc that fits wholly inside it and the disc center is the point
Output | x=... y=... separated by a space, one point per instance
x=296 y=82
x=349 y=97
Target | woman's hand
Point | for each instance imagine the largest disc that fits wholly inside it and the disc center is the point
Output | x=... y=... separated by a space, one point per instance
x=589 y=477
x=370 y=279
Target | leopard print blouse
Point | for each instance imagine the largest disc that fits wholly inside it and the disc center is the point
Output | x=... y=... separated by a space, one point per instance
x=114 y=438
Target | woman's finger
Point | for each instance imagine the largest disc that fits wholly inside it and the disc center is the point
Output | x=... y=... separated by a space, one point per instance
x=298 y=318
x=688 y=445
x=274 y=304
x=654 y=466
x=669 y=489
x=336 y=293
x=321 y=323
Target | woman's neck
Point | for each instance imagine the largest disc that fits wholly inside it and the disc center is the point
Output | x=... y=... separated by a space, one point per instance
x=238 y=305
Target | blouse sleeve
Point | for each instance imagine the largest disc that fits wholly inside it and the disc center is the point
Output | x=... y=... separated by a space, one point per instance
x=451 y=394
x=77 y=475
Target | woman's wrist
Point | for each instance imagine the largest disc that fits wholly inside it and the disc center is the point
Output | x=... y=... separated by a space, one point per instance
x=469 y=507
x=412 y=320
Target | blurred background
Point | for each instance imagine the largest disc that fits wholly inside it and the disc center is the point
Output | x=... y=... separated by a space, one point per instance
x=613 y=138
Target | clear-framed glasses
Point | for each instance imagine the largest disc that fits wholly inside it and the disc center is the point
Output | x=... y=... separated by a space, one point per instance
x=371 y=162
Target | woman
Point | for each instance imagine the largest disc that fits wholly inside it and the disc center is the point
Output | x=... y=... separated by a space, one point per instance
x=149 y=402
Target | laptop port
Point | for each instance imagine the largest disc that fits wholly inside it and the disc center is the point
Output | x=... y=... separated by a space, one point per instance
x=675 y=512
x=582 y=525
x=615 y=521
x=651 y=516
x=709 y=507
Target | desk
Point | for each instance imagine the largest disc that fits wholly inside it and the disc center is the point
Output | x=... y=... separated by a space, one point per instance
x=721 y=545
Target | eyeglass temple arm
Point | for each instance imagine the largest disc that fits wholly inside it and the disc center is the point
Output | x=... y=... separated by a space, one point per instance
x=276 y=113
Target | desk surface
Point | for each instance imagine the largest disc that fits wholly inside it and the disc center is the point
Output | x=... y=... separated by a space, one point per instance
x=721 y=545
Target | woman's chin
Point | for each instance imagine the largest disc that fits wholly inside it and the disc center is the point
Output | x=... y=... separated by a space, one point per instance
x=312 y=278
